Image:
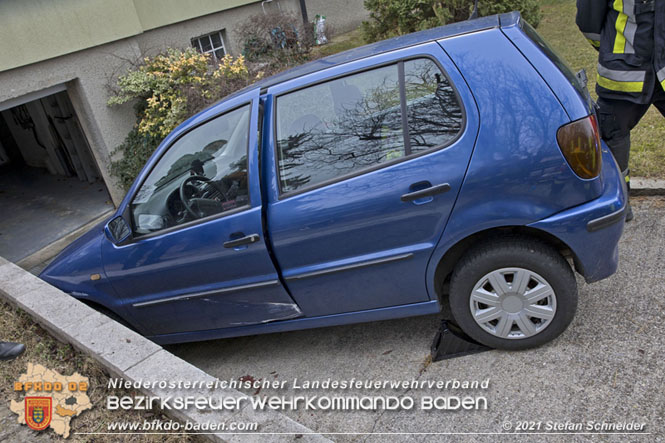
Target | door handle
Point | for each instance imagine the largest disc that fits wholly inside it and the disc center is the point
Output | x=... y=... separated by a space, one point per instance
x=427 y=192
x=252 y=238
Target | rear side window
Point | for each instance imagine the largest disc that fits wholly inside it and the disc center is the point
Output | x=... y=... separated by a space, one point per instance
x=355 y=123
x=434 y=112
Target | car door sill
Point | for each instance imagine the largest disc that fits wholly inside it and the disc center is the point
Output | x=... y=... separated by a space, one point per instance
x=296 y=324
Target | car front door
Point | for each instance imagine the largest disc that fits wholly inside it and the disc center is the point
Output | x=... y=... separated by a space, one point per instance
x=369 y=158
x=197 y=259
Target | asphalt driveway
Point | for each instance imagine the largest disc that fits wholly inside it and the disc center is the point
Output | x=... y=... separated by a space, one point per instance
x=609 y=366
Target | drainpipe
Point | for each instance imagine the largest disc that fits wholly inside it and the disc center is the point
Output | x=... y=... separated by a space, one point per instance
x=303 y=10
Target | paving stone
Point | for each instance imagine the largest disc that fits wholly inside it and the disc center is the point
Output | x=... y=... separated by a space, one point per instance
x=15 y=281
x=52 y=309
x=118 y=347
x=647 y=186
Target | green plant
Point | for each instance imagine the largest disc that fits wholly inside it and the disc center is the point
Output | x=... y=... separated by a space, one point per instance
x=133 y=153
x=277 y=39
x=530 y=9
x=167 y=89
x=389 y=18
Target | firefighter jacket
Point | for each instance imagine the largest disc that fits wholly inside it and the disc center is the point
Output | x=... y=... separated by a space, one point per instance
x=630 y=38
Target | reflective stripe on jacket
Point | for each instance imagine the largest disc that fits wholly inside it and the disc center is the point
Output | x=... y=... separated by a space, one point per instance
x=630 y=38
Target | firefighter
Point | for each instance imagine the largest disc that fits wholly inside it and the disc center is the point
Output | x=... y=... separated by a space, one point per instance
x=9 y=350
x=629 y=36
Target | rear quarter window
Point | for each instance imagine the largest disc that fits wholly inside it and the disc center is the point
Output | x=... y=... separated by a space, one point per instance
x=434 y=114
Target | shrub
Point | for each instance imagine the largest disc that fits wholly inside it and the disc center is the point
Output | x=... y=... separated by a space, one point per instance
x=389 y=18
x=135 y=152
x=278 y=39
x=167 y=89
x=530 y=9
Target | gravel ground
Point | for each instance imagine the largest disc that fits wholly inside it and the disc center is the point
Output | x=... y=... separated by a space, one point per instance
x=608 y=366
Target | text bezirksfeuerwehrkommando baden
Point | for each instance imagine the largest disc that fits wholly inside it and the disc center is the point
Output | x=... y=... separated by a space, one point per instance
x=298 y=384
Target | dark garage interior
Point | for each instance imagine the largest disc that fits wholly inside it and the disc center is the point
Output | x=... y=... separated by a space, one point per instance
x=50 y=184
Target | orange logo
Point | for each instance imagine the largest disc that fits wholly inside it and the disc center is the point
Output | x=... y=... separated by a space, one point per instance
x=38 y=412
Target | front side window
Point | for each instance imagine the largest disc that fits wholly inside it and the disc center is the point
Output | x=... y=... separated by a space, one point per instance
x=346 y=125
x=202 y=174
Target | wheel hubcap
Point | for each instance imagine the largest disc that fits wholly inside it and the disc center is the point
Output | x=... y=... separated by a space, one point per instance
x=513 y=303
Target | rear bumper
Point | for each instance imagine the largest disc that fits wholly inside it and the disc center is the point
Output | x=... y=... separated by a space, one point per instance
x=592 y=230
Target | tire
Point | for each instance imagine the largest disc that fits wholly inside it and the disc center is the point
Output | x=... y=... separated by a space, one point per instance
x=535 y=301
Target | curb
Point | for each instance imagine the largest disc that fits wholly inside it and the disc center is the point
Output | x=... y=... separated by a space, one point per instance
x=647 y=186
x=132 y=357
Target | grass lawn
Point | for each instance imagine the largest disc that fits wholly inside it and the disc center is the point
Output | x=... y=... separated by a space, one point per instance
x=43 y=349
x=339 y=43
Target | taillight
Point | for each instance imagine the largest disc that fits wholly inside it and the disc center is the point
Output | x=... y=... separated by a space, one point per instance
x=580 y=143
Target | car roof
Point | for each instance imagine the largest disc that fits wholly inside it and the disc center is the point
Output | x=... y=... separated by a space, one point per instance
x=382 y=46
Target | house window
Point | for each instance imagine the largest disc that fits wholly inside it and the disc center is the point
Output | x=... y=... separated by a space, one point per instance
x=212 y=44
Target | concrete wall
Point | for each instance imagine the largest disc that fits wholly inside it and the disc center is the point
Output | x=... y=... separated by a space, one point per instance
x=157 y=13
x=342 y=15
x=87 y=73
x=180 y=35
x=35 y=30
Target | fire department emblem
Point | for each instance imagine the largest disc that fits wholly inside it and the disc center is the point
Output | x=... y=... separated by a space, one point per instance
x=38 y=412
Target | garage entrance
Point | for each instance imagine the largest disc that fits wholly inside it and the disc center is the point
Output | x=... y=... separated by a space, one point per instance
x=50 y=184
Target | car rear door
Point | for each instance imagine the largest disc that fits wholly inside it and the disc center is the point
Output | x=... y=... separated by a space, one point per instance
x=183 y=273
x=366 y=163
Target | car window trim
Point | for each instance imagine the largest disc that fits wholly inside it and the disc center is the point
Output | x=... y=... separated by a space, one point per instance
x=401 y=78
x=283 y=195
x=136 y=238
x=190 y=223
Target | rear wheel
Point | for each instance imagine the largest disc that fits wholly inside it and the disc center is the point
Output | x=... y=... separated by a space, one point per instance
x=513 y=294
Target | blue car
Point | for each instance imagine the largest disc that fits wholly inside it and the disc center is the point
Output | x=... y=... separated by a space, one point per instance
x=459 y=166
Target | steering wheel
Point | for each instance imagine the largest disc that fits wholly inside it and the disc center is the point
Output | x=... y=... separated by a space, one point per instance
x=183 y=196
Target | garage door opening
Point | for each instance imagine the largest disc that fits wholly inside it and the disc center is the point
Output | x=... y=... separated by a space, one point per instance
x=50 y=184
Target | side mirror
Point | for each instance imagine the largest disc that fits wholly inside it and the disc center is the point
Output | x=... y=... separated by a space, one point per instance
x=117 y=230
